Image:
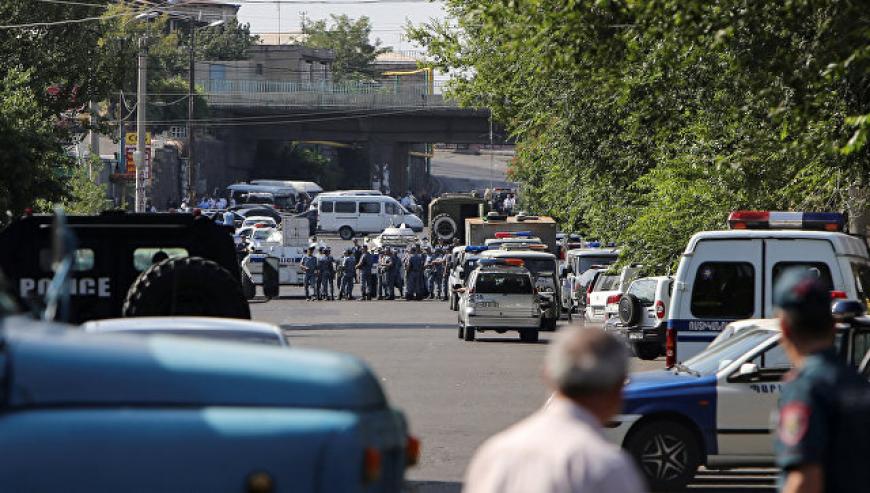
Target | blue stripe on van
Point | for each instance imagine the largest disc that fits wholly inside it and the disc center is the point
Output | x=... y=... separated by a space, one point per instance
x=687 y=336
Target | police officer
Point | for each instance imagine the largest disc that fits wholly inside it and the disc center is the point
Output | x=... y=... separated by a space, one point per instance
x=823 y=420
x=326 y=270
x=348 y=264
x=364 y=266
x=385 y=270
x=435 y=262
x=395 y=274
x=374 y=285
x=414 y=275
x=309 y=270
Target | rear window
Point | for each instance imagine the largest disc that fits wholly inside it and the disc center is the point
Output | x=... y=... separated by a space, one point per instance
x=819 y=270
x=326 y=206
x=587 y=262
x=345 y=207
x=724 y=290
x=498 y=283
x=862 y=281
x=370 y=207
x=606 y=283
x=644 y=290
x=145 y=257
x=540 y=266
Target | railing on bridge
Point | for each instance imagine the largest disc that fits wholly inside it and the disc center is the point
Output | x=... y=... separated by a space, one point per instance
x=324 y=94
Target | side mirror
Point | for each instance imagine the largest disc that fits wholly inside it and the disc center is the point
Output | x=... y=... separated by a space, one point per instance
x=746 y=373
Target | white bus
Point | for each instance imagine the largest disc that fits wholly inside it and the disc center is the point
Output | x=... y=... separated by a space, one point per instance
x=309 y=187
x=284 y=197
x=348 y=215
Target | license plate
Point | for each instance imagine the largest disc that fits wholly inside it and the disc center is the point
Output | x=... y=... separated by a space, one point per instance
x=488 y=304
x=635 y=336
x=598 y=311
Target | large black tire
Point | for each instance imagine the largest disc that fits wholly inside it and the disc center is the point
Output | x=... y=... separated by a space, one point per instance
x=529 y=335
x=630 y=309
x=469 y=333
x=186 y=286
x=549 y=324
x=345 y=233
x=646 y=350
x=667 y=452
x=443 y=227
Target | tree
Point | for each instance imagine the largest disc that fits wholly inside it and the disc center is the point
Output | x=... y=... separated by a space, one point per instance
x=229 y=41
x=349 y=39
x=644 y=122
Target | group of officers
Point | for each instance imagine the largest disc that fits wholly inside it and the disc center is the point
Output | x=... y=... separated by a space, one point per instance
x=417 y=273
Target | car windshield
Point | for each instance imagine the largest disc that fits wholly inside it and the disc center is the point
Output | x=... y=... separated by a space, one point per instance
x=503 y=283
x=262 y=234
x=587 y=262
x=709 y=361
x=606 y=283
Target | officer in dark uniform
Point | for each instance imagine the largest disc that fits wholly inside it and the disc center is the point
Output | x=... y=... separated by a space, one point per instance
x=823 y=420
x=364 y=266
x=347 y=267
x=309 y=268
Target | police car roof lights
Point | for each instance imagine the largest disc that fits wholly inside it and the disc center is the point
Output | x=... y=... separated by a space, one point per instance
x=824 y=221
x=476 y=248
x=485 y=262
x=513 y=234
x=524 y=246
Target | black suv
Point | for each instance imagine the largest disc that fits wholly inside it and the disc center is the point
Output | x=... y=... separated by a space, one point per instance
x=129 y=265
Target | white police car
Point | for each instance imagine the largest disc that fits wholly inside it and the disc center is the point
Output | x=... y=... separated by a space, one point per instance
x=714 y=409
x=731 y=275
x=466 y=261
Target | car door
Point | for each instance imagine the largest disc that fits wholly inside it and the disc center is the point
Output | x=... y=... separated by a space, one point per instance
x=721 y=281
x=326 y=216
x=744 y=405
x=345 y=215
x=371 y=217
x=814 y=256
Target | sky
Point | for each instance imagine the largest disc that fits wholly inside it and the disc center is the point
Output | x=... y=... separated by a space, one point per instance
x=388 y=16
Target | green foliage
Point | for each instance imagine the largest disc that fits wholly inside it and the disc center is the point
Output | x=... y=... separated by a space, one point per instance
x=644 y=122
x=83 y=195
x=229 y=41
x=31 y=157
x=350 y=41
x=307 y=164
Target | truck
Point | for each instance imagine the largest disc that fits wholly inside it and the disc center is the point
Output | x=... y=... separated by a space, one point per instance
x=448 y=212
x=294 y=241
x=478 y=229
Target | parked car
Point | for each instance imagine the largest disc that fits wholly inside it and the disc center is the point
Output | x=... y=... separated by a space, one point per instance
x=218 y=329
x=608 y=289
x=642 y=316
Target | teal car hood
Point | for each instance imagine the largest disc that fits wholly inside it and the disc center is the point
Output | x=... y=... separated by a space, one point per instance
x=66 y=367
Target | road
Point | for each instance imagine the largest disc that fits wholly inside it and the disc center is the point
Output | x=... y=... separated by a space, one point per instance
x=455 y=393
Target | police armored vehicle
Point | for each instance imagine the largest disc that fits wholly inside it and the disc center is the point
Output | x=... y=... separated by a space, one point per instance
x=448 y=212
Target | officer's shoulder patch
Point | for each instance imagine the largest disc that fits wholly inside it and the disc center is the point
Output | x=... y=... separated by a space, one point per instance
x=794 y=420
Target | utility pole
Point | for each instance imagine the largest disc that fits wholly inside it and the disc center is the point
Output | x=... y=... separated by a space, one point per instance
x=191 y=90
x=139 y=155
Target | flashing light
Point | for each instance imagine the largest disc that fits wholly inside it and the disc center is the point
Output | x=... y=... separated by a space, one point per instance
x=513 y=234
x=476 y=248
x=516 y=262
x=594 y=244
x=823 y=221
x=838 y=295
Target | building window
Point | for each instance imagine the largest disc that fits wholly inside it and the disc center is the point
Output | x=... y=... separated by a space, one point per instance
x=259 y=69
x=178 y=132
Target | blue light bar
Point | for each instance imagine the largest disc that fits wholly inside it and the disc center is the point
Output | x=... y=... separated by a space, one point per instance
x=476 y=248
x=523 y=234
x=828 y=221
x=593 y=244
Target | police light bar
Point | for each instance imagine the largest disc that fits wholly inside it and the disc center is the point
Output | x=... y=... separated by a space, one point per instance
x=824 y=221
x=524 y=246
x=476 y=248
x=593 y=244
x=513 y=234
x=516 y=262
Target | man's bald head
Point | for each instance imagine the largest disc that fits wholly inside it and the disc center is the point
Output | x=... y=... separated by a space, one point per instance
x=582 y=362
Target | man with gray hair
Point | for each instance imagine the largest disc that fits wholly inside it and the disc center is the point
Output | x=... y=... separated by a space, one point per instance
x=561 y=448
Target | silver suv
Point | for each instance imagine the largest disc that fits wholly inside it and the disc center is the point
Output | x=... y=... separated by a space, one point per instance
x=500 y=295
x=642 y=316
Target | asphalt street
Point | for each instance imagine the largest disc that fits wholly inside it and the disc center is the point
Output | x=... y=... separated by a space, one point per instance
x=454 y=393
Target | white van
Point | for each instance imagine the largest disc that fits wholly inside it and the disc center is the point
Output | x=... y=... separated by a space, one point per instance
x=349 y=215
x=285 y=197
x=731 y=275
x=309 y=187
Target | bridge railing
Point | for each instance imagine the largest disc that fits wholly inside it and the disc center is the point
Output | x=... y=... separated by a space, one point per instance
x=318 y=94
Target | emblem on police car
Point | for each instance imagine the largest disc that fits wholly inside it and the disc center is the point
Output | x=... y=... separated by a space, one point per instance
x=793 y=423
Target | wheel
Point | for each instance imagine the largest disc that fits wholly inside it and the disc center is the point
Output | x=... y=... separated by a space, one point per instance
x=529 y=335
x=469 y=333
x=548 y=324
x=186 y=286
x=461 y=329
x=668 y=454
x=345 y=233
x=443 y=227
x=646 y=351
x=630 y=309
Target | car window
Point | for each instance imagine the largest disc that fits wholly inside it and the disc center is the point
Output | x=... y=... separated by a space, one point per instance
x=540 y=266
x=860 y=346
x=326 y=206
x=820 y=270
x=587 y=262
x=724 y=290
x=606 y=283
x=707 y=362
x=370 y=207
x=146 y=256
x=83 y=259
x=345 y=207
x=773 y=359
x=644 y=290
x=499 y=283
x=862 y=281
x=391 y=208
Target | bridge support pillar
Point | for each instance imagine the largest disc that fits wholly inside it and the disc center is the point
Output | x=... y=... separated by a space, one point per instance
x=388 y=166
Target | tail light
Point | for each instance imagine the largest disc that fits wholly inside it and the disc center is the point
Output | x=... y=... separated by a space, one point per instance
x=670 y=347
x=614 y=298
x=412 y=451
x=838 y=295
x=660 y=309
x=589 y=294
x=371 y=465
x=562 y=253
